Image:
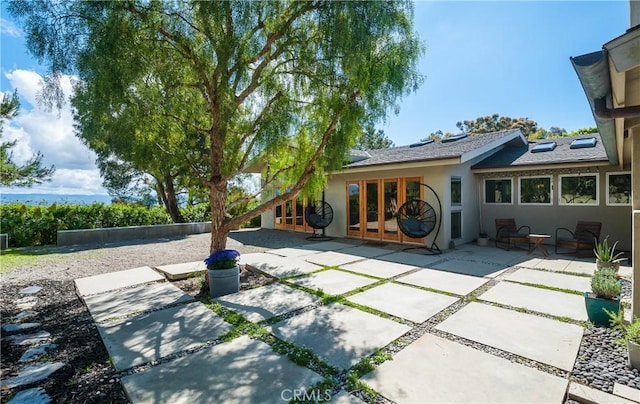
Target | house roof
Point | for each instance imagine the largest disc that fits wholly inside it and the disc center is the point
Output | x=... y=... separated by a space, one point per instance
x=522 y=156
x=437 y=150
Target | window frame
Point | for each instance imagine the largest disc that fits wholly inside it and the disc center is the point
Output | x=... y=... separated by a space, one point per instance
x=560 y=199
x=550 y=203
x=630 y=190
x=458 y=179
x=484 y=191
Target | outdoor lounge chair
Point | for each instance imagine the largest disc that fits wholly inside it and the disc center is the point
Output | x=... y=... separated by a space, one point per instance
x=583 y=238
x=507 y=232
x=318 y=216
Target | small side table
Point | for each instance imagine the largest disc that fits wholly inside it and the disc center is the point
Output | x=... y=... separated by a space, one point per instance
x=537 y=240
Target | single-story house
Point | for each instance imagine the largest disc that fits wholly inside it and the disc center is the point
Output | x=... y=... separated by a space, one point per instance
x=475 y=179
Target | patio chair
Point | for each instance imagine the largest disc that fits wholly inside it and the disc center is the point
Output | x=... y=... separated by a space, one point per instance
x=507 y=232
x=319 y=215
x=583 y=238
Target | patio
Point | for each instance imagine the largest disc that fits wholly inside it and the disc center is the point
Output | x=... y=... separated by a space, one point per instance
x=422 y=321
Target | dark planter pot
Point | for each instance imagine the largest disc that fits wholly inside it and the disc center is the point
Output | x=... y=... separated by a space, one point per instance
x=607 y=264
x=596 y=306
x=224 y=281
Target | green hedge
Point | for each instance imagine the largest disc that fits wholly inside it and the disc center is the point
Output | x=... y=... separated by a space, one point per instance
x=29 y=225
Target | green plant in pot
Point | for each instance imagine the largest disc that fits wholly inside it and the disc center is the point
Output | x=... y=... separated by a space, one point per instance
x=604 y=295
x=630 y=337
x=483 y=238
x=606 y=256
x=223 y=272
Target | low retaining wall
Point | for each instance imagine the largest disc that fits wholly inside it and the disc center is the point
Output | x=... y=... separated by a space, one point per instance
x=116 y=234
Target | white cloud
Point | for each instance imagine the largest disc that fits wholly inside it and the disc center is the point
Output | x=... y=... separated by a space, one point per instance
x=51 y=133
x=8 y=28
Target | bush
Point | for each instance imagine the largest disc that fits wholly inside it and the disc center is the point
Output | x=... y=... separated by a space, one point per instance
x=605 y=284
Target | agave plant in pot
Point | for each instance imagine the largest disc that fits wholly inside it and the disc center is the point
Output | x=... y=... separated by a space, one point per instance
x=223 y=272
x=604 y=296
x=606 y=256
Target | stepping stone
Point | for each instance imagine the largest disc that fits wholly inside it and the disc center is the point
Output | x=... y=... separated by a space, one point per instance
x=378 y=268
x=276 y=266
x=119 y=303
x=29 y=339
x=437 y=370
x=182 y=271
x=36 y=351
x=446 y=281
x=333 y=282
x=404 y=301
x=473 y=268
x=627 y=392
x=366 y=251
x=331 y=258
x=326 y=246
x=31 y=396
x=267 y=301
x=23 y=315
x=541 y=339
x=584 y=394
x=19 y=328
x=338 y=334
x=580 y=267
x=140 y=339
x=31 y=374
x=541 y=300
x=292 y=252
x=93 y=285
x=30 y=290
x=240 y=371
x=551 y=264
x=27 y=305
x=552 y=279
x=417 y=260
x=345 y=398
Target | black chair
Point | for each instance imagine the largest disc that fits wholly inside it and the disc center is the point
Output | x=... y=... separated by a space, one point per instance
x=318 y=215
x=416 y=218
x=583 y=238
x=507 y=232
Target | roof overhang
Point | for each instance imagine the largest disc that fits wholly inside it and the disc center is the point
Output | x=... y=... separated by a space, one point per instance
x=532 y=167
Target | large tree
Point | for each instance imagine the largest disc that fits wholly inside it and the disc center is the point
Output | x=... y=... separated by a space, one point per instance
x=11 y=174
x=209 y=89
x=373 y=139
x=495 y=122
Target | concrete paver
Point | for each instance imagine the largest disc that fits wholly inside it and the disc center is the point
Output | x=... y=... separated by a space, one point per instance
x=538 y=338
x=404 y=301
x=328 y=246
x=292 y=252
x=473 y=252
x=333 y=282
x=119 y=303
x=553 y=279
x=472 y=268
x=345 y=398
x=436 y=370
x=338 y=334
x=239 y=371
x=92 y=285
x=446 y=281
x=182 y=271
x=276 y=266
x=378 y=268
x=537 y=299
x=585 y=394
x=581 y=267
x=332 y=258
x=553 y=264
x=366 y=251
x=627 y=392
x=140 y=339
x=267 y=301
x=413 y=259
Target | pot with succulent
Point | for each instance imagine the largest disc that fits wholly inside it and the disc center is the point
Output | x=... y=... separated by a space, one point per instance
x=606 y=257
x=223 y=272
x=483 y=238
x=630 y=336
x=604 y=296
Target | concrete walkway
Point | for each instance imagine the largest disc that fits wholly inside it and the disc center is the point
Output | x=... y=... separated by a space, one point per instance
x=475 y=324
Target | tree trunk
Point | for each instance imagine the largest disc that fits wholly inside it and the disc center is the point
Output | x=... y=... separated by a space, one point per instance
x=167 y=194
x=219 y=225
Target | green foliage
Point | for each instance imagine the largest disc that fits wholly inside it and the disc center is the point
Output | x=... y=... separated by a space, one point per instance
x=605 y=253
x=494 y=123
x=373 y=139
x=38 y=225
x=605 y=283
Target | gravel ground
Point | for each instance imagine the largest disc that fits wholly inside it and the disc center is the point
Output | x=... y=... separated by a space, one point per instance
x=88 y=376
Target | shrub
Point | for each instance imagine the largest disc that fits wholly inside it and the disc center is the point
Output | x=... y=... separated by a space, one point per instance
x=605 y=284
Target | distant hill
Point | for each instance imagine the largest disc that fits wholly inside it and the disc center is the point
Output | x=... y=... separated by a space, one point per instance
x=48 y=199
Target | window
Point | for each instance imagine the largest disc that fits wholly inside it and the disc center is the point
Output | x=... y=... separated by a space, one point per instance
x=579 y=190
x=584 y=143
x=619 y=189
x=543 y=147
x=456 y=191
x=535 y=190
x=497 y=191
x=456 y=224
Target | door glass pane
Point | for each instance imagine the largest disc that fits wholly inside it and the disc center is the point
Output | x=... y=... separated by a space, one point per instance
x=278 y=213
x=354 y=207
x=456 y=191
x=372 y=208
x=299 y=212
x=412 y=190
x=456 y=224
x=390 y=207
x=289 y=212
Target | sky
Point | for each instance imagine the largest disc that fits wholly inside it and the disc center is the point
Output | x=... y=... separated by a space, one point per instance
x=510 y=58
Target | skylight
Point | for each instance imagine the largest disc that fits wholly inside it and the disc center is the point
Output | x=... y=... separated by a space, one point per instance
x=454 y=138
x=421 y=143
x=543 y=147
x=584 y=143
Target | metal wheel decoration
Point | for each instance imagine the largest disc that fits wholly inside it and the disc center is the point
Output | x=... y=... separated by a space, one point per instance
x=318 y=215
x=416 y=218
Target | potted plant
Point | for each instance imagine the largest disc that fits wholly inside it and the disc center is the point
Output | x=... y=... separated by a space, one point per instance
x=483 y=238
x=223 y=272
x=606 y=257
x=604 y=296
x=630 y=337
